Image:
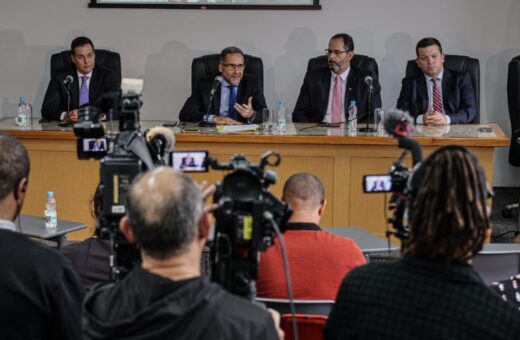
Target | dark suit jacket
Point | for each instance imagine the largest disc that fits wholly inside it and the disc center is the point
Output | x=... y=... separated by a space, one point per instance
x=458 y=96
x=314 y=94
x=55 y=101
x=195 y=107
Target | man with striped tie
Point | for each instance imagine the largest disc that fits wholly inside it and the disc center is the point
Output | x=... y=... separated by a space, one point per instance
x=438 y=96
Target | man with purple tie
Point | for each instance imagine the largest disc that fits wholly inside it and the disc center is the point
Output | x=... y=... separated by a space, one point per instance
x=89 y=83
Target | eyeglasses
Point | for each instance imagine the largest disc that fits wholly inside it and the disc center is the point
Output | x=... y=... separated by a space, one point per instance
x=335 y=52
x=235 y=66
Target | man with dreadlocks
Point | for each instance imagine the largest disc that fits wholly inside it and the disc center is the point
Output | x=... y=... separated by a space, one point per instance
x=433 y=292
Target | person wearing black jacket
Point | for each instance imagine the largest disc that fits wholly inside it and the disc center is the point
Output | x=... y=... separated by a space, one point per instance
x=165 y=297
x=238 y=99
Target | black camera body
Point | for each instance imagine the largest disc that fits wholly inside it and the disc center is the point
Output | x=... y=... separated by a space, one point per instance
x=246 y=218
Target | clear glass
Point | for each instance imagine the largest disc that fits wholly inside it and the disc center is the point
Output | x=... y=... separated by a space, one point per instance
x=24 y=115
x=379 y=115
x=268 y=124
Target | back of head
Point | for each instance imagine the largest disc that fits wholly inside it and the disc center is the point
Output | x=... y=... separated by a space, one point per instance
x=449 y=216
x=80 y=41
x=425 y=42
x=14 y=164
x=164 y=210
x=303 y=190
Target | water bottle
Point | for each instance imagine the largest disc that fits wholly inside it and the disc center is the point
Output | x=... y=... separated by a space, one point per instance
x=51 y=216
x=352 y=116
x=24 y=113
x=280 y=115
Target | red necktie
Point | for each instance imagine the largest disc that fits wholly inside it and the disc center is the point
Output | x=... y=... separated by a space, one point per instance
x=437 y=101
x=336 y=101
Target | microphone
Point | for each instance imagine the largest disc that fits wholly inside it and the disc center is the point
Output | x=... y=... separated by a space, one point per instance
x=216 y=83
x=398 y=124
x=370 y=82
x=161 y=140
x=68 y=80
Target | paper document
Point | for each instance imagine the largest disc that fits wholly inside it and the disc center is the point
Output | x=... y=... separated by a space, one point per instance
x=237 y=128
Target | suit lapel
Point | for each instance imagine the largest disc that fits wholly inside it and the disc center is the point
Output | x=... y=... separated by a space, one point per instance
x=93 y=88
x=74 y=90
x=447 y=84
x=422 y=90
x=351 y=84
x=324 y=86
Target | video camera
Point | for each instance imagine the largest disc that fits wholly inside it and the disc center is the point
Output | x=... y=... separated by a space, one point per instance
x=399 y=125
x=123 y=155
x=246 y=220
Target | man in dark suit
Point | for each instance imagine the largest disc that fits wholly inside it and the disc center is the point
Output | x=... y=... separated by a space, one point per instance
x=90 y=82
x=326 y=93
x=238 y=99
x=438 y=96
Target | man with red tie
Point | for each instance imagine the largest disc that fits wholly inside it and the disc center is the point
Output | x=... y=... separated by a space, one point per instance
x=438 y=96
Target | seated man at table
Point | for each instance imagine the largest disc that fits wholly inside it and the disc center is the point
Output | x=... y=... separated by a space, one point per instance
x=40 y=293
x=237 y=99
x=318 y=260
x=165 y=297
x=437 y=96
x=89 y=83
x=433 y=292
x=326 y=93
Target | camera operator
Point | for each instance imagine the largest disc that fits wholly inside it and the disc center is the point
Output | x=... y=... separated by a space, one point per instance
x=312 y=252
x=166 y=297
x=40 y=293
x=433 y=292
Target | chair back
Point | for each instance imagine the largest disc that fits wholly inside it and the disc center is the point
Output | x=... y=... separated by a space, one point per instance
x=359 y=61
x=105 y=58
x=460 y=63
x=207 y=66
x=497 y=261
x=513 y=101
x=316 y=307
x=310 y=327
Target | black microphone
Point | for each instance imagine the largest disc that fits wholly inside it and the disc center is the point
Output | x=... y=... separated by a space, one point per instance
x=161 y=140
x=216 y=83
x=68 y=80
x=370 y=82
x=399 y=124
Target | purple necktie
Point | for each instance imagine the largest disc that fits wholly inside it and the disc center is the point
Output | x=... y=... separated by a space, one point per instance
x=83 y=94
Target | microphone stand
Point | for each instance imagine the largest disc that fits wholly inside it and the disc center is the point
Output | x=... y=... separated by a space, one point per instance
x=66 y=120
x=204 y=123
x=370 y=112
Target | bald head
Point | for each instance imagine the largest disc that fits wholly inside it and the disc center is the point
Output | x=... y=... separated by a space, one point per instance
x=14 y=164
x=164 y=210
x=303 y=190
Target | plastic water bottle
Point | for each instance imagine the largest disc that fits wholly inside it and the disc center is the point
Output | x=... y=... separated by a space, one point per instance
x=24 y=113
x=51 y=216
x=352 y=116
x=280 y=115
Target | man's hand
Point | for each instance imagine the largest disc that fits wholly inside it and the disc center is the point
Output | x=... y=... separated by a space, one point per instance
x=73 y=116
x=207 y=190
x=434 y=118
x=276 y=319
x=245 y=110
x=225 y=121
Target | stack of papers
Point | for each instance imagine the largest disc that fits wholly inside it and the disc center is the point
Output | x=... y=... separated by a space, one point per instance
x=237 y=128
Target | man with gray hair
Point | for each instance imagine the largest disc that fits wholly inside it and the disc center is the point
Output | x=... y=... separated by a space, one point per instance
x=166 y=297
x=40 y=292
x=318 y=260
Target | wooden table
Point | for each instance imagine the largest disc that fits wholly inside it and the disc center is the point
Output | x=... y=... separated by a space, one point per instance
x=338 y=159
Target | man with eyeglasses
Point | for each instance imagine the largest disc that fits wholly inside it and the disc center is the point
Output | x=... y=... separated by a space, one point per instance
x=437 y=96
x=327 y=92
x=239 y=98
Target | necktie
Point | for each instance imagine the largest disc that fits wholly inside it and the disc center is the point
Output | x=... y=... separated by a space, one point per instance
x=232 y=113
x=336 y=101
x=83 y=94
x=437 y=102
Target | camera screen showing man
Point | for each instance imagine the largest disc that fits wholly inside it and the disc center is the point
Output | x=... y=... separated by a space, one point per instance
x=189 y=160
x=95 y=144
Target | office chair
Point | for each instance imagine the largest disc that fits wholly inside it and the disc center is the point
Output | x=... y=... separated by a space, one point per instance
x=359 y=61
x=207 y=66
x=108 y=59
x=313 y=307
x=497 y=261
x=310 y=327
x=458 y=63
x=513 y=101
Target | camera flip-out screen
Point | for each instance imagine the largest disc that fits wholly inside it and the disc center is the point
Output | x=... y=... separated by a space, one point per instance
x=377 y=183
x=92 y=148
x=190 y=161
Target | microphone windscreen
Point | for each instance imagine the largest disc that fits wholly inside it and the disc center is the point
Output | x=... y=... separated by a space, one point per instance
x=397 y=123
x=165 y=133
x=368 y=80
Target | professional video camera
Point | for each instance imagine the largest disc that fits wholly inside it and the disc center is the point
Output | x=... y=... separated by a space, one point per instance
x=246 y=220
x=399 y=125
x=123 y=156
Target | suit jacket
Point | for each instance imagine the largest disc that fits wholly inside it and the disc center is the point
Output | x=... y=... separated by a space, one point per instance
x=458 y=96
x=197 y=104
x=55 y=102
x=314 y=94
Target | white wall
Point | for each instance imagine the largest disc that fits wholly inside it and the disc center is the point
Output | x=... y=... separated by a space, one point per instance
x=160 y=44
